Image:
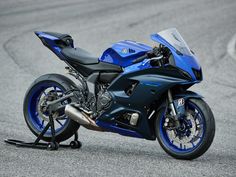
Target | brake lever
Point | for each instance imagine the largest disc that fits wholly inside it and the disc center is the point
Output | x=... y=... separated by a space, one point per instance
x=140 y=59
x=155 y=58
x=151 y=54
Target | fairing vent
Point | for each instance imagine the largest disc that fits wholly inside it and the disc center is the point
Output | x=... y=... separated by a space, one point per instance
x=185 y=74
x=197 y=73
x=129 y=90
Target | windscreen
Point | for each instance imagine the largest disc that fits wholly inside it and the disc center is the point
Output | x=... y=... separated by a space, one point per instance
x=173 y=37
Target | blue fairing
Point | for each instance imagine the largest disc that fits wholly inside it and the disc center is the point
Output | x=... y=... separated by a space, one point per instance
x=50 y=42
x=114 y=128
x=183 y=61
x=124 y=52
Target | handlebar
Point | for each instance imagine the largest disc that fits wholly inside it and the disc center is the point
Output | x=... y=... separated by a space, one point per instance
x=153 y=53
x=139 y=59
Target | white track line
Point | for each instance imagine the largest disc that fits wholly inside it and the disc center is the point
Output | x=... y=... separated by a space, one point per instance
x=231 y=47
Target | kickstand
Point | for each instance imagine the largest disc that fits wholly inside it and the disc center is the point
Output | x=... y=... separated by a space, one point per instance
x=53 y=145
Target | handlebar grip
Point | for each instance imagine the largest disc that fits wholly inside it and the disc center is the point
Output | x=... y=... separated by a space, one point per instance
x=140 y=59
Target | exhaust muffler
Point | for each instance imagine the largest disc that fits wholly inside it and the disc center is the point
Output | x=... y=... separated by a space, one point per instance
x=81 y=118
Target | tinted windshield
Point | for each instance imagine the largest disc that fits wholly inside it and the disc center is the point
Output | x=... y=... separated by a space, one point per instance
x=173 y=37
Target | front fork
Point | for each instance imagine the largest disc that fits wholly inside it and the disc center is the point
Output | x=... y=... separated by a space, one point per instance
x=173 y=118
x=171 y=104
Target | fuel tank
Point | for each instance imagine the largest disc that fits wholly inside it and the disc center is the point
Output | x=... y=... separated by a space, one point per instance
x=124 y=52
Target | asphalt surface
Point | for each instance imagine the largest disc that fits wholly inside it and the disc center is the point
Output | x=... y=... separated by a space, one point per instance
x=207 y=26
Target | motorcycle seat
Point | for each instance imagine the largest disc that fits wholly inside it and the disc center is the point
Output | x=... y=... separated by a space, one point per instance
x=79 y=55
x=86 y=63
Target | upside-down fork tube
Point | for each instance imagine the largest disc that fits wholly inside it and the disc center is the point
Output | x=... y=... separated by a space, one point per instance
x=171 y=103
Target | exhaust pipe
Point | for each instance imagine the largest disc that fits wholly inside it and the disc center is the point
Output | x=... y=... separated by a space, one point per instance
x=81 y=118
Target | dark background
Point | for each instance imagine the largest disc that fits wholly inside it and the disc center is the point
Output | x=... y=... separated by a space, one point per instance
x=207 y=26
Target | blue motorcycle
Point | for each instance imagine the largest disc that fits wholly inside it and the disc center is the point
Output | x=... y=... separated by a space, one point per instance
x=132 y=89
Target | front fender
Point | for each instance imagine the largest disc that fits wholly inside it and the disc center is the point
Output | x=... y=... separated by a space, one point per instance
x=187 y=95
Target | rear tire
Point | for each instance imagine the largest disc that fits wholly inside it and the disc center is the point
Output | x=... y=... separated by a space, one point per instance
x=33 y=122
x=205 y=142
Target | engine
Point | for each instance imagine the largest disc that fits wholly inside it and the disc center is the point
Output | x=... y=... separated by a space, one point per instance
x=103 y=100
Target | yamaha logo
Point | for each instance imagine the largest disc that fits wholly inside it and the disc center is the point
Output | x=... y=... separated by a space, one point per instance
x=124 y=50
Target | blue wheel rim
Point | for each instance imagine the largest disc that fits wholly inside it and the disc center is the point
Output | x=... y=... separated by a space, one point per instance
x=34 y=118
x=170 y=144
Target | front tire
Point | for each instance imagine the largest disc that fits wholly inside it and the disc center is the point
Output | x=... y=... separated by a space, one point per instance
x=207 y=131
x=36 y=121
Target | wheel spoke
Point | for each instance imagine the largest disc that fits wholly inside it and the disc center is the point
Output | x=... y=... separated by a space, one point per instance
x=195 y=115
x=199 y=126
x=59 y=122
x=44 y=93
x=42 y=123
x=192 y=143
x=197 y=136
x=55 y=89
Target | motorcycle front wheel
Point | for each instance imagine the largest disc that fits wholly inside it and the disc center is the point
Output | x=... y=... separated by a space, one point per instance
x=195 y=135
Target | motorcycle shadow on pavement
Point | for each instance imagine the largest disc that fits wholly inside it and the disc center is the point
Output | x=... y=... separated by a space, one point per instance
x=127 y=152
x=156 y=153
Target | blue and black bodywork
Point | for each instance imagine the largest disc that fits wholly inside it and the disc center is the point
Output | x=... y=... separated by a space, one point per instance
x=133 y=86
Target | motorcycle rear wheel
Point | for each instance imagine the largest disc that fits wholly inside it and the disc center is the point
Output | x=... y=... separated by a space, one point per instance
x=36 y=120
